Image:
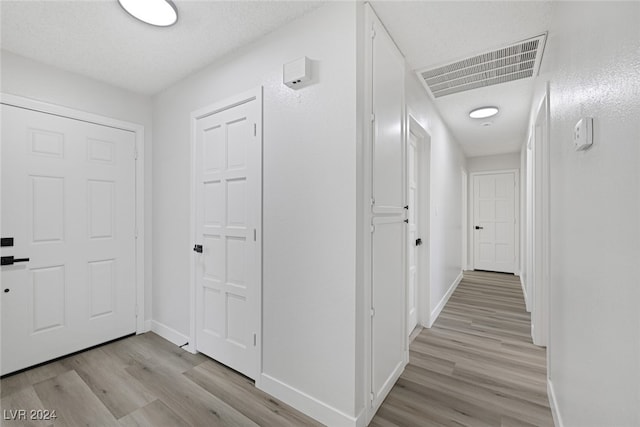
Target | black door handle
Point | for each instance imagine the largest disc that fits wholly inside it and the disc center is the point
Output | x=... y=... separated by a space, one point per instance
x=10 y=260
x=418 y=242
x=479 y=228
x=6 y=241
x=197 y=248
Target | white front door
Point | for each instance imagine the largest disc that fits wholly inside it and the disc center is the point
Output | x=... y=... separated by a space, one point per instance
x=495 y=221
x=228 y=159
x=68 y=202
x=413 y=243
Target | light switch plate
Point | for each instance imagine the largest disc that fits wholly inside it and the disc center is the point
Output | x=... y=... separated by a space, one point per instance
x=583 y=134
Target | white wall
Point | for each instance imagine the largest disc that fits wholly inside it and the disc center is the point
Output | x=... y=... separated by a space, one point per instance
x=592 y=61
x=309 y=213
x=31 y=79
x=495 y=162
x=447 y=161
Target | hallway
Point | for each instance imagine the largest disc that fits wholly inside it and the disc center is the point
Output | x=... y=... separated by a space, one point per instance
x=477 y=366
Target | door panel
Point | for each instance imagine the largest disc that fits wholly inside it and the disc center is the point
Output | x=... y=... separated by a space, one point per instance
x=68 y=199
x=495 y=214
x=228 y=181
x=388 y=104
x=389 y=317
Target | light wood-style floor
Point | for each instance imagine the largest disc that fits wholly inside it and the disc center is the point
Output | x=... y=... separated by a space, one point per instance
x=143 y=381
x=476 y=366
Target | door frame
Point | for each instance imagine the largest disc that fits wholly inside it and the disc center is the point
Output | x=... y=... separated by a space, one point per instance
x=516 y=201
x=423 y=283
x=539 y=270
x=142 y=325
x=216 y=107
x=464 y=175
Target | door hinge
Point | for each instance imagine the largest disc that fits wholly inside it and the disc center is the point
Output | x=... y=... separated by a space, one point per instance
x=373 y=33
x=371 y=396
x=135 y=152
x=373 y=201
x=255 y=129
x=373 y=228
x=255 y=340
x=373 y=312
x=373 y=117
x=255 y=235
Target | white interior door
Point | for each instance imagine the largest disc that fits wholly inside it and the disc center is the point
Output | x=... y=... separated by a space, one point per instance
x=495 y=228
x=68 y=202
x=388 y=283
x=413 y=174
x=228 y=160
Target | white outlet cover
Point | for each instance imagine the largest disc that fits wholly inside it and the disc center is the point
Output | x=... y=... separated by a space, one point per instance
x=583 y=134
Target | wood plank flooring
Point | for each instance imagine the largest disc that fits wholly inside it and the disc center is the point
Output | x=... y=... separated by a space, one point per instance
x=476 y=366
x=142 y=381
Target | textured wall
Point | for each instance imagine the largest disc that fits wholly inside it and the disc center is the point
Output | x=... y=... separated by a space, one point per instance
x=594 y=66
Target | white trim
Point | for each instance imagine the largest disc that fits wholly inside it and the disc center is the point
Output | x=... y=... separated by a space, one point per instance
x=516 y=201
x=169 y=333
x=553 y=403
x=465 y=218
x=524 y=292
x=233 y=101
x=138 y=130
x=438 y=309
x=308 y=404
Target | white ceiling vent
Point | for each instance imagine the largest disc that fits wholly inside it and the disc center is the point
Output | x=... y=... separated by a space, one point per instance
x=518 y=61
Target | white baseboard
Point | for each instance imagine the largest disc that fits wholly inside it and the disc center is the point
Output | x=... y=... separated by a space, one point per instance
x=555 y=410
x=307 y=404
x=526 y=298
x=168 y=333
x=436 y=311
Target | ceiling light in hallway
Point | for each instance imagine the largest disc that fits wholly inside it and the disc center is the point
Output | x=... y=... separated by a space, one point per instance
x=161 y=13
x=483 y=112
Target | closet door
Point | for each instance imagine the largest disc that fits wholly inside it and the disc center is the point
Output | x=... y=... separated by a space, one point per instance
x=388 y=287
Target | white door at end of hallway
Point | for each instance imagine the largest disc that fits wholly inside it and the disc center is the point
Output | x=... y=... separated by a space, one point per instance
x=495 y=221
x=68 y=203
x=228 y=182
x=413 y=227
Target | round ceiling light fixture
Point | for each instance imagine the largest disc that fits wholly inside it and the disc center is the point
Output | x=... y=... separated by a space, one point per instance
x=161 y=13
x=483 y=112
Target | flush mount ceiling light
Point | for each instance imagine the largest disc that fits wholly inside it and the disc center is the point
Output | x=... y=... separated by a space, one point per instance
x=161 y=13
x=483 y=112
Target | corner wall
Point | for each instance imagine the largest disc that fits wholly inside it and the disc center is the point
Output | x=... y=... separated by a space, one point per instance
x=309 y=206
x=594 y=349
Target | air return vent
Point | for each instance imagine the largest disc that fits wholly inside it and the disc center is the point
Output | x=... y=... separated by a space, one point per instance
x=515 y=62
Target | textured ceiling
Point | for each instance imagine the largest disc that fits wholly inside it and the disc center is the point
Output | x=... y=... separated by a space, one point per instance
x=100 y=40
x=434 y=33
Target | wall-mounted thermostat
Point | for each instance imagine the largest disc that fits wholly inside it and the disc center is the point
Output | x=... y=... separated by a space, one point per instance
x=296 y=73
x=583 y=134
